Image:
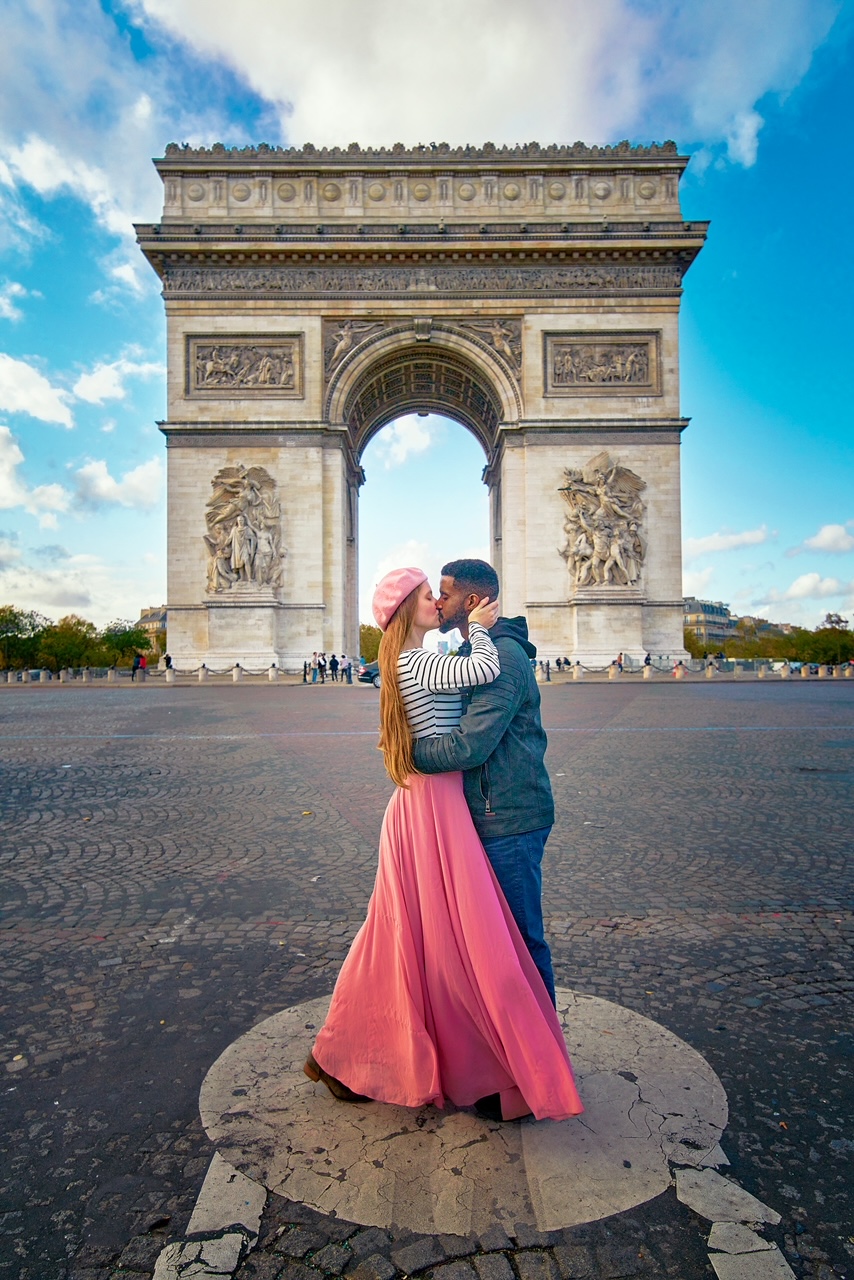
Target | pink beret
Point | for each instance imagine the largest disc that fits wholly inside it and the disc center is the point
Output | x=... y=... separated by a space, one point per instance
x=391 y=592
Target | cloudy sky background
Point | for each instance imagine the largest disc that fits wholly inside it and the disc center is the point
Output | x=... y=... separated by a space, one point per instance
x=758 y=93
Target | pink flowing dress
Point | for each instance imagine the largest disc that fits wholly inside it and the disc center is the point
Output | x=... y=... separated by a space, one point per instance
x=438 y=996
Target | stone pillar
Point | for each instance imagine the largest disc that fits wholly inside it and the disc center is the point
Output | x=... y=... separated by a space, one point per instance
x=578 y=671
x=25 y=676
x=736 y=670
x=273 y=674
x=170 y=675
x=203 y=673
x=679 y=672
x=112 y=676
x=785 y=671
x=822 y=671
x=86 y=676
x=805 y=670
x=710 y=671
x=648 y=672
x=849 y=671
x=63 y=676
x=237 y=672
x=761 y=673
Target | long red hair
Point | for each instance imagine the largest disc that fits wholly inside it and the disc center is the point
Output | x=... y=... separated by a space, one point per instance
x=395 y=736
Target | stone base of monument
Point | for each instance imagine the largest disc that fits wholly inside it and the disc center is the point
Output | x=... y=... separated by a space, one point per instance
x=651 y=1101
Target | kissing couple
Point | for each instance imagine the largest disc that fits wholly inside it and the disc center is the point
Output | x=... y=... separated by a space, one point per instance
x=447 y=991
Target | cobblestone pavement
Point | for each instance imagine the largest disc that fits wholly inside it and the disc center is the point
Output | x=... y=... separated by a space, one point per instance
x=179 y=863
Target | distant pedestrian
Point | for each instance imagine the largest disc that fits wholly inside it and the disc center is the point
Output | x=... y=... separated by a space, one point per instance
x=620 y=663
x=346 y=669
x=321 y=667
x=167 y=661
x=135 y=665
x=315 y=668
x=558 y=664
x=333 y=668
x=143 y=663
x=647 y=662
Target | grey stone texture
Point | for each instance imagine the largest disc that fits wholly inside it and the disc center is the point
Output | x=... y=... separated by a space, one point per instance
x=700 y=858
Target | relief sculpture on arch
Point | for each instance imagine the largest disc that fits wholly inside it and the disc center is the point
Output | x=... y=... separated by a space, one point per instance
x=244 y=532
x=604 y=544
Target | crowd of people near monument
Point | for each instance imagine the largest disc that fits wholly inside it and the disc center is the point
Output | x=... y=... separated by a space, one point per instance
x=316 y=669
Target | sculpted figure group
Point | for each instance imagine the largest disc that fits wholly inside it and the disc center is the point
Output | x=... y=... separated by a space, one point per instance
x=243 y=536
x=604 y=544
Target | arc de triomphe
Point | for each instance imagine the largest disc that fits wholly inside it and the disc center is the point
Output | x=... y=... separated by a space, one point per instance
x=531 y=293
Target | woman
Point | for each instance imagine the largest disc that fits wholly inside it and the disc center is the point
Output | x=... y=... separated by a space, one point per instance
x=438 y=997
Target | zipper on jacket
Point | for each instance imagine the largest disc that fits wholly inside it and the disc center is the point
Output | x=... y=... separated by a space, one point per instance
x=484 y=776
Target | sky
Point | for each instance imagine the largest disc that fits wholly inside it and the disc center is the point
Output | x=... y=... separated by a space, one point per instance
x=759 y=94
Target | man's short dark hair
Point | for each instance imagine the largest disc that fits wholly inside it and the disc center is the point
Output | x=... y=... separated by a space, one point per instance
x=475 y=576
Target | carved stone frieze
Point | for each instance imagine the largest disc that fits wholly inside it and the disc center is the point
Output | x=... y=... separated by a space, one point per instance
x=389 y=282
x=604 y=544
x=257 y=365
x=609 y=364
x=244 y=532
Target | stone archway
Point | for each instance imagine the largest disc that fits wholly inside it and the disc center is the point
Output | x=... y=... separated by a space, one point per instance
x=313 y=296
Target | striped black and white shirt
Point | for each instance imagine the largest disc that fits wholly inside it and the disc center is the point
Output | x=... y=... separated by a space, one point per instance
x=430 y=683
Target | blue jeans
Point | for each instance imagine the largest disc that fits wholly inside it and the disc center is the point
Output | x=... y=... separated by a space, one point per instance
x=517 y=863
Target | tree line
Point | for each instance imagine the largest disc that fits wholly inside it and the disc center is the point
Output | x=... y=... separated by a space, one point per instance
x=30 y=640
x=831 y=642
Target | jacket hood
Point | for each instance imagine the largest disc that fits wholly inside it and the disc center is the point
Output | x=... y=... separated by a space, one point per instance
x=514 y=629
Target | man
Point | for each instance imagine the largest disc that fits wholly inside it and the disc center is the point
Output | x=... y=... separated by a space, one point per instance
x=500 y=746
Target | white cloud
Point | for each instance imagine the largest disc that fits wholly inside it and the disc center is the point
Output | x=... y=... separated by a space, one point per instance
x=832 y=537
x=723 y=541
x=810 y=586
x=107 y=381
x=9 y=293
x=42 y=501
x=140 y=488
x=499 y=70
x=40 y=164
x=24 y=389
x=405 y=437
x=696 y=582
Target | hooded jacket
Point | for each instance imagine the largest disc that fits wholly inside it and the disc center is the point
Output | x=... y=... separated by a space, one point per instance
x=500 y=744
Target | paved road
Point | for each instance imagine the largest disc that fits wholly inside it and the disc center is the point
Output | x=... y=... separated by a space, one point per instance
x=179 y=863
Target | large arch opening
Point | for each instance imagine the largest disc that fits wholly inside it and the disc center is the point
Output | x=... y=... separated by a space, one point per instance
x=423 y=421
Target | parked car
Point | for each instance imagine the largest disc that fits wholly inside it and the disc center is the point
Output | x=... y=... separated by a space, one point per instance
x=369 y=673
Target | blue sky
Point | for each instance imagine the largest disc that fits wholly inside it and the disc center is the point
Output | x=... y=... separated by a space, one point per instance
x=758 y=94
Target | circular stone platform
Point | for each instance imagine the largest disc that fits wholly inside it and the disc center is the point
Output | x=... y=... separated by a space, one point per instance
x=649 y=1098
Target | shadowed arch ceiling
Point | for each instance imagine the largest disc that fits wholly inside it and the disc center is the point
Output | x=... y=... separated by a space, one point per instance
x=419 y=381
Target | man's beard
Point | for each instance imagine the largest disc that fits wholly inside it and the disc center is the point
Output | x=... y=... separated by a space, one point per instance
x=450 y=624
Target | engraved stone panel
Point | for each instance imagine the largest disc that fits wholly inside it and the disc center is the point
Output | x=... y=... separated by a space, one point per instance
x=610 y=364
x=604 y=544
x=263 y=366
x=504 y=336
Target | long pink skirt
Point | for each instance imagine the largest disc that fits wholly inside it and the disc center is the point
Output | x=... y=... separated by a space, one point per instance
x=439 y=997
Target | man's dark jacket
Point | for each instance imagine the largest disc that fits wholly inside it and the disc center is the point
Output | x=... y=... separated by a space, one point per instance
x=500 y=744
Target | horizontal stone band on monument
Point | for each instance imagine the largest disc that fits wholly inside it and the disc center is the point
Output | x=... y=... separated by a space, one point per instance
x=493 y=281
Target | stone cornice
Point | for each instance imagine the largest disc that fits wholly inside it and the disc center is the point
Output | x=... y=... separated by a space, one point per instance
x=308 y=156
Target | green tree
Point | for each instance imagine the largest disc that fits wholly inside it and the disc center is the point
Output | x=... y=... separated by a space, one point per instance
x=71 y=642
x=122 y=639
x=20 y=636
x=694 y=644
x=369 y=641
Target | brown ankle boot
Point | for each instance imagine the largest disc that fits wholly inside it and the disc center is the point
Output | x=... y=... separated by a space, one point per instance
x=315 y=1072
